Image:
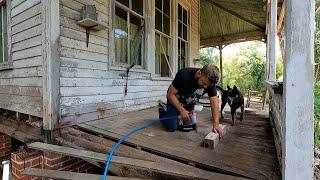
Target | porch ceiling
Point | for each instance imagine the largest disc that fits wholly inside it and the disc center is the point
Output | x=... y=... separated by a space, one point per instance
x=228 y=21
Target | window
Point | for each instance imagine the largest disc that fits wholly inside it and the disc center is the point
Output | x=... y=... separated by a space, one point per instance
x=4 y=58
x=129 y=31
x=183 y=36
x=163 y=38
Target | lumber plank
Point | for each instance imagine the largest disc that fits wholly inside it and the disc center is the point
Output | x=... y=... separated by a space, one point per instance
x=19 y=131
x=68 y=175
x=173 y=170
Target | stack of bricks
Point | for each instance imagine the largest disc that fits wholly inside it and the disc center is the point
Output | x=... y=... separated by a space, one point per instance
x=5 y=147
x=46 y=160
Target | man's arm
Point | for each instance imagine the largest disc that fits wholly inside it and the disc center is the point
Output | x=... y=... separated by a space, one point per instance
x=214 y=102
x=171 y=95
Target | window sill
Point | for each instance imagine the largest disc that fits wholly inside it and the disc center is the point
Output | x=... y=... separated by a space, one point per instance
x=124 y=68
x=159 y=78
x=6 y=66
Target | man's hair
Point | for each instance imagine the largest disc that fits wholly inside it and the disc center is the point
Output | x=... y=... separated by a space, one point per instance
x=211 y=71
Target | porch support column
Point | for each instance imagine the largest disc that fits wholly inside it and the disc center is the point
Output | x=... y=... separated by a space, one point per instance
x=297 y=155
x=272 y=33
x=221 y=77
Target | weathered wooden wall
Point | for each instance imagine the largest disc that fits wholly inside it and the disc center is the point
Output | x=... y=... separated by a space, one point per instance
x=21 y=87
x=90 y=88
x=277 y=121
x=195 y=30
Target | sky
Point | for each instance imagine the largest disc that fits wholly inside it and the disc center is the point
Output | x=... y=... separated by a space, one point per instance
x=233 y=49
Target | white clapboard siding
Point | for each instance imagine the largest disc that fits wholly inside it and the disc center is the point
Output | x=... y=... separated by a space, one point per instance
x=24 y=6
x=29 y=33
x=21 y=91
x=82 y=64
x=27 y=14
x=81 y=45
x=21 y=87
x=28 y=43
x=34 y=21
x=29 y=62
x=23 y=81
x=88 y=82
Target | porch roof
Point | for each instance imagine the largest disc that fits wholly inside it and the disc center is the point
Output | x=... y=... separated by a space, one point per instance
x=228 y=21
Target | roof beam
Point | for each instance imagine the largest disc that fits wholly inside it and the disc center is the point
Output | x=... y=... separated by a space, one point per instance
x=236 y=14
x=234 y=38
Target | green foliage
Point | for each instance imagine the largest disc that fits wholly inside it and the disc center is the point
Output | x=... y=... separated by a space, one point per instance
x=245 y=70
x=317 y=113
x=317 y=77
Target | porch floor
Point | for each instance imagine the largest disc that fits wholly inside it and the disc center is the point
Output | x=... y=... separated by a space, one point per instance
x=247 y=150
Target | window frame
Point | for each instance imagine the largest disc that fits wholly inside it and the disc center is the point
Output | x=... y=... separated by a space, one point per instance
x=116 y=65
x=163 y=34
x=187 y=42
x=7 y=65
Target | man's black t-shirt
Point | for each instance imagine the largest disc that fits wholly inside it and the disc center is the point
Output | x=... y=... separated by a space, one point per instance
x=188 y=91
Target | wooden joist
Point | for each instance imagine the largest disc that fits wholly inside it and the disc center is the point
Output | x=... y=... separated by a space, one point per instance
x=163 y=168
x=234 y=38
x=19 y=130
x=67 y=175
x=78 y=139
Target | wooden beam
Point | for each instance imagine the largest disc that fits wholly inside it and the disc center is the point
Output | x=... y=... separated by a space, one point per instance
x=234 y=38
x=281 y=18
x=172 y=169
x=298 y=97
x=20 y=131
x=102 y=145
x=236 y=14
x=55 y=174
x=51 y=65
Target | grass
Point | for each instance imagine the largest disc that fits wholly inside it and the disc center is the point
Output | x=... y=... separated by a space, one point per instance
x=317 y=113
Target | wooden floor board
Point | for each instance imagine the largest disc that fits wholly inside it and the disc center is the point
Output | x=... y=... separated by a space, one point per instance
x=247 y=149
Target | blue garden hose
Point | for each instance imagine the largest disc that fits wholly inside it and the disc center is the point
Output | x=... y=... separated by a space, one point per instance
x=132 y=131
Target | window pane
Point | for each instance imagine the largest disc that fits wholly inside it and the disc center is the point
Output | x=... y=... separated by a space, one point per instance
x=5 y=34
x=180 y=12
x=157 y=54
x=179 y=29
x=166 y=25
x=124 y=2
x=166 y=7
x=185 y=16
x=185 y=32
x=137 y=6
x=164 y=57
x=182 y=47
x=159 y=4
x=121 y=36
x=158 y=20
x=136 y=40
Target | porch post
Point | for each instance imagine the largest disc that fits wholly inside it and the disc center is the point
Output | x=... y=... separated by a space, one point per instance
x=297 y=155
x=221 y=77
x=272 y=33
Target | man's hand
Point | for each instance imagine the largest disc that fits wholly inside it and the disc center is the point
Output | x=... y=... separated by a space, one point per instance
x=185 y=115
x=217 y=129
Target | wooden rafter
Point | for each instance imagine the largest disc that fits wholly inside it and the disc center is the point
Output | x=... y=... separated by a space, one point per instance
x=234 y=38
x=281 y=18
x=236 y=14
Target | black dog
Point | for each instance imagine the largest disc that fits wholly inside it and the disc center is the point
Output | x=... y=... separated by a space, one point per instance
x=235 y=100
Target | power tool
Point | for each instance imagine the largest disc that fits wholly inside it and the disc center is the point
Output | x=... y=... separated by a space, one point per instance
x=189 y=125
